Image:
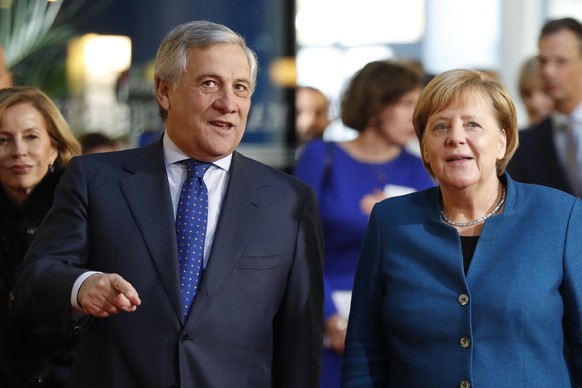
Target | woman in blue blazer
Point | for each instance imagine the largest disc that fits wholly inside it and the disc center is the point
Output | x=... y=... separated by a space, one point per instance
x=477 y=282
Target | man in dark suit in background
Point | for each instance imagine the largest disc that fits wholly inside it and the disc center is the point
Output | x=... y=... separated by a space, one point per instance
x=106 y=262
x=550 y=152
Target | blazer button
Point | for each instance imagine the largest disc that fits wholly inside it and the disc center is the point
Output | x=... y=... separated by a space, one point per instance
x=465 y=384
x=185 y=337
x=463 y=299
x=465 y=342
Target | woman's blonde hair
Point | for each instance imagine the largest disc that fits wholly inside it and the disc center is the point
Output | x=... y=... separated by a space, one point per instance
x=452 y=86
x=57 y=127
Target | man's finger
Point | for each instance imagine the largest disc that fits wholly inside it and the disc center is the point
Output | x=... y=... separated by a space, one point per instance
x=129 y=293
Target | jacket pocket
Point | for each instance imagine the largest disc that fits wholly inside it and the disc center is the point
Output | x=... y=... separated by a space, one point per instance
x=258 y=262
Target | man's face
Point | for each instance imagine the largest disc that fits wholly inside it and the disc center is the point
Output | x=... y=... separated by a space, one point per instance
x=311 y=114
x=561 y=66
x=5 y=75
x=208 y=109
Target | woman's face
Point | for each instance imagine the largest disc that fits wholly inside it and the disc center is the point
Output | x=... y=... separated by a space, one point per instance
x=395 y=121
x=463 y=142
x=26 y=151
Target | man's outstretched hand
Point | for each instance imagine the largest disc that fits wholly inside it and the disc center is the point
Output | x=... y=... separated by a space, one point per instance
x=103 y=294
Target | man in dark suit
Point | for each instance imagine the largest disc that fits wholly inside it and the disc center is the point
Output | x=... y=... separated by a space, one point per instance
x=105 y=263
x=549 y=153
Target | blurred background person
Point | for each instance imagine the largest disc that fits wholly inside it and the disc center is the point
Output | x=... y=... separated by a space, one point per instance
x=312 y=114
x=549 y=152
x=93 y=142
x=538 y=104
x=5 y=75
x=35 y=146
x=474 y=283
x=350 y=177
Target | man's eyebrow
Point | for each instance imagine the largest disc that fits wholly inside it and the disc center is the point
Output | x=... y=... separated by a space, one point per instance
x=216 y=76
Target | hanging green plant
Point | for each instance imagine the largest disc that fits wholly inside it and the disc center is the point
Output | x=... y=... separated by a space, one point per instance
x=35 y=34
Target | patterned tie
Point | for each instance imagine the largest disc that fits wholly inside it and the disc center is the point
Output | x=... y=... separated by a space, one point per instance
x=191 y=219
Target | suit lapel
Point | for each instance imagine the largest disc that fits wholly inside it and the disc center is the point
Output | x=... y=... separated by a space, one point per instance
x=148 y=196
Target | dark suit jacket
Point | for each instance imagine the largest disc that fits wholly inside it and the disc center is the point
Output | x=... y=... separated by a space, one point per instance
x=536 y=159
x=257 y=318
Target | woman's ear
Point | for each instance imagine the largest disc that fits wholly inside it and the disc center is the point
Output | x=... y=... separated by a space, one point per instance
x=54 y=155
x=502 y=144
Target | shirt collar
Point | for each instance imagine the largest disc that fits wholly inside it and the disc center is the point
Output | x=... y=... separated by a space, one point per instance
x=576 y=115
x=173 y=154
x=561 y=120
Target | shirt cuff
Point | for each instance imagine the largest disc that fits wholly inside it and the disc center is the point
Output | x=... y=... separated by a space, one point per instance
x=75 y=292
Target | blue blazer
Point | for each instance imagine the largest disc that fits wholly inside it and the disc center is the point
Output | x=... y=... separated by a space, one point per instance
x=515 y=319
x=257 y=319
x=536 y=159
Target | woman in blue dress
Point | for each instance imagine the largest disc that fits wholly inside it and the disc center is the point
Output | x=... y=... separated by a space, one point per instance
x=350 y=177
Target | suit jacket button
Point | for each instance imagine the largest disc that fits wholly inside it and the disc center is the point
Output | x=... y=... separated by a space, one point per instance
x=463 y=299
x=185 y=337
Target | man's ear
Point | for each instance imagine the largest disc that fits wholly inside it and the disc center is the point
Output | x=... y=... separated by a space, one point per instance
x=162 y=93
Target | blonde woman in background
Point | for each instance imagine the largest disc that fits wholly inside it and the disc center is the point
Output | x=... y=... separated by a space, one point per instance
x=536 y=101
x=35 y=146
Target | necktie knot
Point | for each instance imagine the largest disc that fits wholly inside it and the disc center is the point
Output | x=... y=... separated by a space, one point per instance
x=195 y=168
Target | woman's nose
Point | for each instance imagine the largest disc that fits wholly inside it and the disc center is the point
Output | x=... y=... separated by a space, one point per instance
x=456 y=134
x=18 y=147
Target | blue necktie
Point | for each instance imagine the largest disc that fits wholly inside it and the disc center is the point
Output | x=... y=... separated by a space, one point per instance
x=191 y=219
